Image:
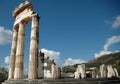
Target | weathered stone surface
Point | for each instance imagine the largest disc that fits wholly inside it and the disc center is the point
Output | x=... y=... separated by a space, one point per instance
x=41 y=65
x=65 y=81
x=13 y=55
x=33 y=59
x=23 y=14
x=103 y=71
x=19 y=62
x=116 y=72
x=111 y=72
x=80 y=71
x=93 y=74
x=77 y=75
x=53 y=71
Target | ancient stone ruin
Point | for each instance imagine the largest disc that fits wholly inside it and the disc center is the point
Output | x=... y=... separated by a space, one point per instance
x=80 y=71
x=103 y=72
x=47 y=67
x=43 y=70
x=39 y=67
x=111 y=72
x=23 y=14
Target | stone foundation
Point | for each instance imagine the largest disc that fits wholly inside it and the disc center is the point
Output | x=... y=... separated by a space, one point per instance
x=65 y=81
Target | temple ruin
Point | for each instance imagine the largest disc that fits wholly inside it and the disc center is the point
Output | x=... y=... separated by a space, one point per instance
x=43 y=70
x=23 y=14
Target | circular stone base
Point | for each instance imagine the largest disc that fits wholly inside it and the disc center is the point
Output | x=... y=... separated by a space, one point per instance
x=65 y=81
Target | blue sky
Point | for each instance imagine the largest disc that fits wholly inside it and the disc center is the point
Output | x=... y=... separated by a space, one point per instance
x=73 y=31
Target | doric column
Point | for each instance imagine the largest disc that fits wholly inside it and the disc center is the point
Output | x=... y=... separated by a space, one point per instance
x=19 y=63
x=33 y=59
x=12 y=56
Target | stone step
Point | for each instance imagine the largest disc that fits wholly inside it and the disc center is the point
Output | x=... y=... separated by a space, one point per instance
x=63 y=81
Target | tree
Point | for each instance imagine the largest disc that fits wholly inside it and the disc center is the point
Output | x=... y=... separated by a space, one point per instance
x=3 y=74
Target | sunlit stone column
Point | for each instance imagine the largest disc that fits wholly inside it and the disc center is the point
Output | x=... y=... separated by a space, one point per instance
x=19 y=63
x=33 y=59
x=53 y=70
x=103 y=71
x=12 y=56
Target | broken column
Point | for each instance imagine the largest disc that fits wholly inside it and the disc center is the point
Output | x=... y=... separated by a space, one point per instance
x=103 y=71
x=93 y=74
x=58 y=70
x=77 y=74
x=81 y=69
x=110 y=72
x=53 y=70
x=41 y=65
x=116 y=72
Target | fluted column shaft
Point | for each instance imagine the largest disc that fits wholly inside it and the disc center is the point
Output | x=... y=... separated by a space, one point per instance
x=12 y=56
x=19 y=63
x=33 y=59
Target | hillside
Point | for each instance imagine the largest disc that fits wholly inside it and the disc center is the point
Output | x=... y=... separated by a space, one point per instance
x=109 y=59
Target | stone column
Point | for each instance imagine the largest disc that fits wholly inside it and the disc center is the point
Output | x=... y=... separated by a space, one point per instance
x=58 y=72
x=53 y=70
x=81 y=69
x=110 y=72
x=93 y=74
x=12 y=56
x=19 y=63
x=116 y=72
x=103 y=71
x=33 y=59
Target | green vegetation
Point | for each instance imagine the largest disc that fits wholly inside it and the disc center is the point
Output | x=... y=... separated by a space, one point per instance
x=69 y=69
x=3 y=74
x=109 y=59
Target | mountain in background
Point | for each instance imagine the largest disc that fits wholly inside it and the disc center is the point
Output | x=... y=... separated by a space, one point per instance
x=109 y=59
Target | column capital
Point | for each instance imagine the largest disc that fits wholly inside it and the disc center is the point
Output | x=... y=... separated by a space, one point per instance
x=23 y=22
x=14 y=30
x=36 y=15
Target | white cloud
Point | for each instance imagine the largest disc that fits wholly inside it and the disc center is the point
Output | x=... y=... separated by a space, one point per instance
x=116 y=23
x=53 y=55
x=101 y=53
x=71 y=61
x=56 y=56
x=5 y=36
x=110 y=41
x=7 y=60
